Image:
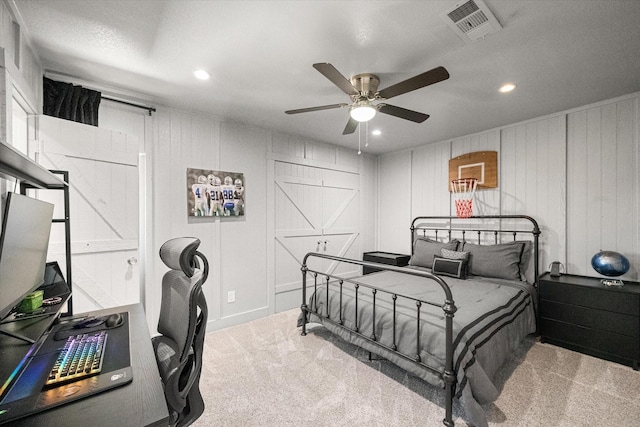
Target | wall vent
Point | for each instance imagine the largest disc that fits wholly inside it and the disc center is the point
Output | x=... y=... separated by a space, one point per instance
x=471 y=20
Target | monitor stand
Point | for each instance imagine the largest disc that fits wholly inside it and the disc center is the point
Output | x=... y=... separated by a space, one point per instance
x=18 y=336
x=17 y=317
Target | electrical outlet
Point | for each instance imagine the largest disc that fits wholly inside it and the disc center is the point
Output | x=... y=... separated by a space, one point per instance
x=231 y=296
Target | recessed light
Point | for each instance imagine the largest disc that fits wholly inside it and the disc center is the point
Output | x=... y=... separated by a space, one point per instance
x=376 y=132
x=507 y=87
x=201 y=74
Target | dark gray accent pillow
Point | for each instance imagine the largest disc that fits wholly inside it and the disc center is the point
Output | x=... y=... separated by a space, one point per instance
x=449 y=267
x=501 y=261
x=425 y=248
x=457 y=255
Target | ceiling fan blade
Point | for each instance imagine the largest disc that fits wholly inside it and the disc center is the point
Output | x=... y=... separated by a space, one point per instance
x=330 y=72
x=403 y=113
x=322 y=107
x=351 y=127
x=425 y=79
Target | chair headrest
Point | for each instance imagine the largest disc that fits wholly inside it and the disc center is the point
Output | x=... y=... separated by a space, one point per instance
x=179 y=253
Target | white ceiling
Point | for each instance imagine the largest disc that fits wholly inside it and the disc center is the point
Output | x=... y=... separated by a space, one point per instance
x=561 y=54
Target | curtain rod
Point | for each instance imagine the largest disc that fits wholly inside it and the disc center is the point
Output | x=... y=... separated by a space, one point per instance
x=144 y=107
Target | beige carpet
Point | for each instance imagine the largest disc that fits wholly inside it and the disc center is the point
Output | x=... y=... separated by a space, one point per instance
x=263 y=373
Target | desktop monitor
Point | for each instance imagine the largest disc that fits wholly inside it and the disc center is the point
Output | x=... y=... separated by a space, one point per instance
x=24 y=241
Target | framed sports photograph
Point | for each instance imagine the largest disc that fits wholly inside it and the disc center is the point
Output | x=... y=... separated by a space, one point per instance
x=215 y=193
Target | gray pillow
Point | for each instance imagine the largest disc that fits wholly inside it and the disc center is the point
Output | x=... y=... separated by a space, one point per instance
x=424 y=249
x=501 y=261
x=446 y=253
x=525 y=258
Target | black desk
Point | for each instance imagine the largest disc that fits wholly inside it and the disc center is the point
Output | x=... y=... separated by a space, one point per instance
x=140 y=403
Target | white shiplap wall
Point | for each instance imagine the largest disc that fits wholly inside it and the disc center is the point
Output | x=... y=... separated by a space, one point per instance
x=532 y=180
x=243 y=243
x=394 y=202
x=20 y=72
x=237 y=248
x=576 y=172
x=602 y=183
x=429 y=175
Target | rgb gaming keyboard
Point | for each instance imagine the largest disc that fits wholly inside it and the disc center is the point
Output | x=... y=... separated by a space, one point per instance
x=81 y=357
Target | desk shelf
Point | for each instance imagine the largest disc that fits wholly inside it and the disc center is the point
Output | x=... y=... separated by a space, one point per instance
x=16 y=166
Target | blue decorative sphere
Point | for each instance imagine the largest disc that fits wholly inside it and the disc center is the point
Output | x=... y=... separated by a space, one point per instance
x=610 y=263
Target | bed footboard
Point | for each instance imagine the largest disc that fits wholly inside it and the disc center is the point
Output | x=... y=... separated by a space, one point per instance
x=500 y=230
x=447 y=305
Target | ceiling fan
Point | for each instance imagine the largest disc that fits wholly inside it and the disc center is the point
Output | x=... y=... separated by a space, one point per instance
x=363 y=91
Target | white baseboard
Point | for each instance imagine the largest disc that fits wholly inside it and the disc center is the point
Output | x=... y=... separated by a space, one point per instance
x=236 y=319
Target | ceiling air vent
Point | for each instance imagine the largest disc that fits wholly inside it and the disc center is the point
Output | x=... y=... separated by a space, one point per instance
x=471 y=20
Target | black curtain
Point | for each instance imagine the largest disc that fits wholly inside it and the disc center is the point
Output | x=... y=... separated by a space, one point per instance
x=66 y=101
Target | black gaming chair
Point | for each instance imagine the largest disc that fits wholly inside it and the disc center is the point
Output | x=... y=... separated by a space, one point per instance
x=182 y=323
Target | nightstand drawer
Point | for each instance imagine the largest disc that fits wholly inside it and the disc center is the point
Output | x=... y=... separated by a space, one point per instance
x=602 y=341
x=602 y=299
x=622 y=324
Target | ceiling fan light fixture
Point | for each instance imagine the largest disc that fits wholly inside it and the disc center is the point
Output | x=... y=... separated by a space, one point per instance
x=507 y=87
x=362 y=111
x=201 y=74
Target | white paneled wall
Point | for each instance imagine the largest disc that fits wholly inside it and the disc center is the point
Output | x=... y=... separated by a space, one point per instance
x=394 y=202
x=183 y=141
x=368 y=201
x=238 y=249
x=430 y=177
x=532 y=180
x=602 y=183
x=576 y=172
x=20 y=75
x=243 y=244
x=25 y=71
x=287 y=145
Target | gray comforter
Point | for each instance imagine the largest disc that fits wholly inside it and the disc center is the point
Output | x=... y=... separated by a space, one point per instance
x=493 y=317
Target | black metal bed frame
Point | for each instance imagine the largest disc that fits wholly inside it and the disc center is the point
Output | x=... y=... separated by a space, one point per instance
x=448 y=376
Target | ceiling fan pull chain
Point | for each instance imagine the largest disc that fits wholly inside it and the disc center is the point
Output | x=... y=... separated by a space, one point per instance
x=359 y=151
x=366 y=135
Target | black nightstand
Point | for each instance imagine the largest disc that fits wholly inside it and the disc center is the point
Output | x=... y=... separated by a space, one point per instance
x=582 y=314
x=399 y=260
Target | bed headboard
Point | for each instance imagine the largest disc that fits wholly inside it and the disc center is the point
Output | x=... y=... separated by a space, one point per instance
x=480 y=230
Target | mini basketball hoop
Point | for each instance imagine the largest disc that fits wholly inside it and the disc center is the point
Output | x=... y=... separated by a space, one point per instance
x=463 y=191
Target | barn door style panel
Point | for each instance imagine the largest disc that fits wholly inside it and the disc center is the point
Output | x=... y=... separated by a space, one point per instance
x=340 y=220
x=103 y=175
x=316 y=210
